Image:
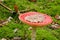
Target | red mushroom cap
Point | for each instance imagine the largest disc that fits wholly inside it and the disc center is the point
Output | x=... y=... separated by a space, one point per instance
x=47 y=20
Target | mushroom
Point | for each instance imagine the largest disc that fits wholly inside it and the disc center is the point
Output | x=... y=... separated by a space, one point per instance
x=35 y=19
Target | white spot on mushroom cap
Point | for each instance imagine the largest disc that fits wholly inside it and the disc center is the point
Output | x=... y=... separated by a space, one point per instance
x=35 y=18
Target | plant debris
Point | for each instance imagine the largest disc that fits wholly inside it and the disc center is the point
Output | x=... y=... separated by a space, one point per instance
x=55 y=26
x=57 y=17
x=4 y=22
x=16 y=38
x=3 y=39
x=15 y=30
x=30 y=28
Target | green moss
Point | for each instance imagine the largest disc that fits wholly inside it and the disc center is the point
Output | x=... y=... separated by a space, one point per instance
x=44 y=6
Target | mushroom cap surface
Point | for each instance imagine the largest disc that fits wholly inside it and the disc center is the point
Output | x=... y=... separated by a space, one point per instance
x=47 y=20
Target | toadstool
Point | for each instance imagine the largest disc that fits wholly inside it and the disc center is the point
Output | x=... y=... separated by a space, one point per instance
x=35 y=20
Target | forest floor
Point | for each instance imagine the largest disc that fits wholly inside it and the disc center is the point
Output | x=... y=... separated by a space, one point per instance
x=50 y=7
